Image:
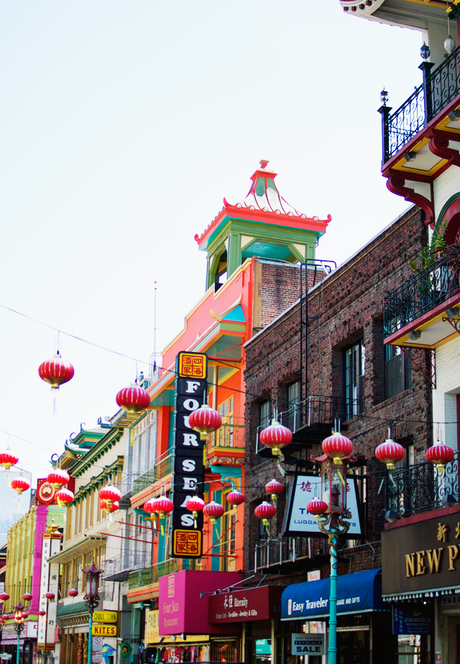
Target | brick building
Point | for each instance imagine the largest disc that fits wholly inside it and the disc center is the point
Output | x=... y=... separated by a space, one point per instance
x=346 y=373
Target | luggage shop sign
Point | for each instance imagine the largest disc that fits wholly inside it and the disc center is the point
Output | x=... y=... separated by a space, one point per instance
x=188 y=478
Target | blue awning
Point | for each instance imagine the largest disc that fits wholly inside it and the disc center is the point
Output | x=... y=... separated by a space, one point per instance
x=356 y=593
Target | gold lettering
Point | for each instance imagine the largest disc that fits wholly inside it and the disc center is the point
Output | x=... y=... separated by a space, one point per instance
x=453 y=553
x=420 y=566
x=410 y=565
x=434 y=559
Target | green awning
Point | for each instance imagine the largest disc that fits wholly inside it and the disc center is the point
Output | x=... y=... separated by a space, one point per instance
x=72 y=609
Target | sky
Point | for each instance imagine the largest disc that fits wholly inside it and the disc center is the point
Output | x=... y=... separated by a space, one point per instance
x=123 y=125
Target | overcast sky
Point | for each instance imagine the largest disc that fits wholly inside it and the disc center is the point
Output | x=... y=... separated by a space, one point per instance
x=122 y=127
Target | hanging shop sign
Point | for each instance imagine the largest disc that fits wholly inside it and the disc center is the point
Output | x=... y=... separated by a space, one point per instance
x=307 y=644
x=422 y=556
x=105 y=616
x=304 y=488
x=104 y=630
x=414 y=618
x=188 y=478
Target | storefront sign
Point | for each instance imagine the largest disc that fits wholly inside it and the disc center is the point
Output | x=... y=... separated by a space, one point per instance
x=104 y=630
x=105 y=616
x=412 y=619
x=297 y=519
x=188 y=478
x=422 y=556
x=263 y=647
x=307 y=644
x=29 y=632
x=152 y=634
x=252 y=604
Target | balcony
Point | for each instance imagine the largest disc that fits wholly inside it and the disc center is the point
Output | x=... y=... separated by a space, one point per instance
x=421 y=488
x=118 y=568
x=163 y=467
x=313 y=419
x=285 y=551
x=439 y=89
x=226 y=445
x=423 y=311
x=150 y=575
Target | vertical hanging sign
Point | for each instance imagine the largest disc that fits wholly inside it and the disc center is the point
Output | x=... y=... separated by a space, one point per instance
x=188 y=478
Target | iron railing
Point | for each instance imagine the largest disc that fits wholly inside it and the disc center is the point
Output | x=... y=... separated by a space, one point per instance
x=163 y=467
x=421 y=488
x=440 y=87
x=230 y=434
x=282 y=550
x=316 y=411
x=149 y=575
x=127 y=562
x=420 y=294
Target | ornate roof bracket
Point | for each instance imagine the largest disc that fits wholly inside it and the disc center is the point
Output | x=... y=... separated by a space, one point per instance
x=432 y=378
x=396 y=184
x=439 y=146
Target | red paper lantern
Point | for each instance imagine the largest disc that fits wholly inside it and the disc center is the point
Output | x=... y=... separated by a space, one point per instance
x=205 y=420
x=133 y=399
x=4 y=597
x=42 y=613
x=114 y=506
x=275 y=436
x=50 y=596
x=440 y=454
x=20 y=484
x=274 y=488
x=337 y=447
x=58 y=478
x=7 y=459
x=73 y=592
x=149 y=506
x=163 y=506
x=64 y=497
x=317 y=507
x=56 y=371
x=27 y=597
x=235 y=498
x=195 y=505
x=390 y=453
x=213 y=511
x=265 y=511
x=109 y=494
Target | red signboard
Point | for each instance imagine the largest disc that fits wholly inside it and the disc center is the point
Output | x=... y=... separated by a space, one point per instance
x=261 y=603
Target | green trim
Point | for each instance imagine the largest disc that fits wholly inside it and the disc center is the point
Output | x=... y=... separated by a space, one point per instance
x=72 y=609
x=96 y=452
x=99 y=480
x=444 y=209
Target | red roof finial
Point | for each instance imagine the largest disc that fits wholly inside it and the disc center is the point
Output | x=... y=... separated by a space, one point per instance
x=263 y=163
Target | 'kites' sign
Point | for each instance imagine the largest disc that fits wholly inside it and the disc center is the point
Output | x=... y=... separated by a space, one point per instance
x=188 y=479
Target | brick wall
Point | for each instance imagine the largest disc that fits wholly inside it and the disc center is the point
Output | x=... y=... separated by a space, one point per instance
x=344 y=308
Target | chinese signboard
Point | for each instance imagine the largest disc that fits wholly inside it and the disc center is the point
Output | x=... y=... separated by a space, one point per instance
x=412 y=619
x=298 y=521
x=422 y=556
x=261 y=603
x=188 y=479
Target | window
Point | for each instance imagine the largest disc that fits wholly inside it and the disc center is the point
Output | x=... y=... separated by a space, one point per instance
x=353 y=377
x=224 y=435
x=290 y=418
x=398 y=371
x=264 y=414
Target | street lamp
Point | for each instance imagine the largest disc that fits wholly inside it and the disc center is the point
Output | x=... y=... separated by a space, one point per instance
x=91 y=599
x=331 y=513
x=19 y=619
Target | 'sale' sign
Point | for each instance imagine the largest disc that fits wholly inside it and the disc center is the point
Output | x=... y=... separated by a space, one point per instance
x=188 y=478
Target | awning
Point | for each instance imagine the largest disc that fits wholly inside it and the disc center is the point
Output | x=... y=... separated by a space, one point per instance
x=356 y=593
x=72 y=609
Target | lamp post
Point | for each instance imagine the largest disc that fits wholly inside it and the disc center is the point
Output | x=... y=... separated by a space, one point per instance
x=19 y=619
x=91 y=600
x=331 y=514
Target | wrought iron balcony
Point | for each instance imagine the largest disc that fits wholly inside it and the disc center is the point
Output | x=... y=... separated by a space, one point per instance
x=314 y=416
x=150 y=575
x=421 y=294
x=119 y=567
x=285 y=551
x=162 y=468
x=440 y=87
x=421 y=488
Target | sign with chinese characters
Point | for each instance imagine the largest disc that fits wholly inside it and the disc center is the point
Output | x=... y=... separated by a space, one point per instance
x=422 y=556
x=304 y=488
x=152 y=634
x=188 y=478
x=307 y=644
x=413 y=618
x=261 y=603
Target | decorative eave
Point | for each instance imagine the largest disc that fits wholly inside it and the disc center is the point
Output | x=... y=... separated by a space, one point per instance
x=99 y=480
x=96 y=452
x=143 y=594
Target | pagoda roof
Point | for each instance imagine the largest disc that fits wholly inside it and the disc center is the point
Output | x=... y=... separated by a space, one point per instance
x=263 y=204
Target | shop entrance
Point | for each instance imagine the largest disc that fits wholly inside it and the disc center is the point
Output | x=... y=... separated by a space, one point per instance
x=352 y=646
